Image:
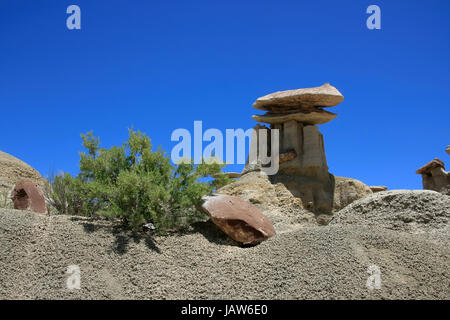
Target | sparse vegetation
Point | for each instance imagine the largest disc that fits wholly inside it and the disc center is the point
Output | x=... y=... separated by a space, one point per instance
x=135 y=184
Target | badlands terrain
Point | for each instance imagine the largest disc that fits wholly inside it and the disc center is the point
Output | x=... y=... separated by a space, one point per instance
x=404 y=233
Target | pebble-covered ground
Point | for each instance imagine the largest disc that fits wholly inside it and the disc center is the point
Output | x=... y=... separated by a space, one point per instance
x=302 y=262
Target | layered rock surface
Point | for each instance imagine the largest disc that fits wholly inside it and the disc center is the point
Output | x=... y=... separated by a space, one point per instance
x=303 y=105
x=323 y=96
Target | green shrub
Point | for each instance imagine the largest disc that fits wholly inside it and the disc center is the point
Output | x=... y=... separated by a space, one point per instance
x=136 y=184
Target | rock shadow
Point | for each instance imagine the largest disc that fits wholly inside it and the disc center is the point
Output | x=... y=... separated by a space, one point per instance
x=213 y=233
x=123 y=236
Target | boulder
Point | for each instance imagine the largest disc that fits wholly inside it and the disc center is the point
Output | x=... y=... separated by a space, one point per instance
x=239 y=219
x=26 y=195
x=347 y=190
x=447 y=149
x=323 y=96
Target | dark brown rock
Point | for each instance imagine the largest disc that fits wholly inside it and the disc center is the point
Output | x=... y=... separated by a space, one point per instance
x=239 y=219
x=27 y=196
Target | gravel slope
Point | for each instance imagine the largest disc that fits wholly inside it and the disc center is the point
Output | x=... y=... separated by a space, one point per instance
x=414 y=211
x=328 y=262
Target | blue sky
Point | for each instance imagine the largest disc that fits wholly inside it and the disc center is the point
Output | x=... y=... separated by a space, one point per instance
x=160 y=65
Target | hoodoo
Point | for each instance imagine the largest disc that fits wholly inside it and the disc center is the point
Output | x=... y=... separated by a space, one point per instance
x=296 y=114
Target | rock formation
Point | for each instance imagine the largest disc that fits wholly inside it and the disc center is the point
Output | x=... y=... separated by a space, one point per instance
x=378 y=188
x=239 y=219
x=27 y=196
x=434 y=176
x=303 y=166
x=12 y=170
x=348 y=190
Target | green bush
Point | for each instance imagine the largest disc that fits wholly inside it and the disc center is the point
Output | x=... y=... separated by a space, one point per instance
x=136 y=184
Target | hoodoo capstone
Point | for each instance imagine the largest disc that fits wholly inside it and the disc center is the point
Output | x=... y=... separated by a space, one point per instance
x=296 y=113
x=434 y=176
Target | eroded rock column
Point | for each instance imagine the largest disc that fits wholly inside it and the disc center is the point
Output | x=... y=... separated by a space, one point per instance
x=303 y=165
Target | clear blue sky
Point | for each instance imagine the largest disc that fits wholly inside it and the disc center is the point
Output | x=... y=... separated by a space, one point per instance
x=160 y=65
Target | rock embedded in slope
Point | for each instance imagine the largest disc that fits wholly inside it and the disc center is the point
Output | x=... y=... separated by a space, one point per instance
x=27 y=196
x=239 y=219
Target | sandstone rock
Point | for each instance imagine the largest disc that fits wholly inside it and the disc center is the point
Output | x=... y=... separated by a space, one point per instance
x=295 y=114
x=323 y=96
x=378 y=188
x=434 y=176
x=274 y=200
x=313 y=117
x=254 y=149
x=229 y=174
x=347 y=190
x=239 y=219
x=305 y=176
x=27 y=196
